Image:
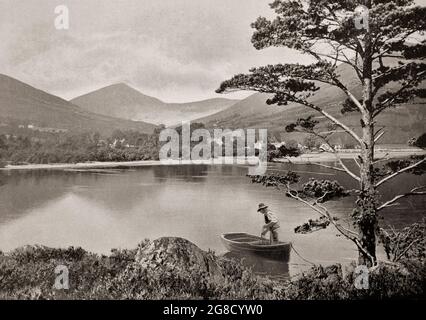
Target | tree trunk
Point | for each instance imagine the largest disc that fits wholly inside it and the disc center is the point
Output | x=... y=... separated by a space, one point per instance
x=366 y=202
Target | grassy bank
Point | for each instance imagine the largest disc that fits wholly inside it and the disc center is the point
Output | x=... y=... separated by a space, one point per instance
x=174 y=268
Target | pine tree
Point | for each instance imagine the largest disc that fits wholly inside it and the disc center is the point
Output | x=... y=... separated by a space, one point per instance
x=368 y=36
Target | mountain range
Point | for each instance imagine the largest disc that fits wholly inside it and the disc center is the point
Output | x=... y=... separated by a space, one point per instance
x=25 y=105
x=120 y=106
x=401 y=123
x=122 y=101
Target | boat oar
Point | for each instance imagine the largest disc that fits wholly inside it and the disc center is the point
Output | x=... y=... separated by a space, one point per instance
x=270 y=238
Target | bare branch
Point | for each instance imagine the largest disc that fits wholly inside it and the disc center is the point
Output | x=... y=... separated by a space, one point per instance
x=327 y=166
x=357 y=162
x=379 y=136
x=346 y=61
x=393 y=175
x=331 y=118
x=385 y=158
x=337 y=225
x=345 y=168
x=320 y=199
x=392 y=202
x=340 y=85
x=350 y=235
x=316 y=207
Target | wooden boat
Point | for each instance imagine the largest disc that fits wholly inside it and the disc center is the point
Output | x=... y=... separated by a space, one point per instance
x=249 y=244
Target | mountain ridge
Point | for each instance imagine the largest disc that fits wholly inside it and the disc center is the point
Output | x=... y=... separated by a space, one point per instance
x=402 y=122
x=23 y=103
x=123 y=101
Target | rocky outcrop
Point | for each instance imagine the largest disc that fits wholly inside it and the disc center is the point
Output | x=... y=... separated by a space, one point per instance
x=177 y=254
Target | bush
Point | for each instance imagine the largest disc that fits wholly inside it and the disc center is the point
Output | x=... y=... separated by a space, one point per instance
x=28 y=273
x=421 y=141
x=386 y=281
x=325 y=189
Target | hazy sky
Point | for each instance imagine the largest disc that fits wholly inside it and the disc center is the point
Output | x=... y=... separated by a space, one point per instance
x=176 y=50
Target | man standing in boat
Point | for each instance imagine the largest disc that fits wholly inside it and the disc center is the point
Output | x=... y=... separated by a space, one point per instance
x=271 y=222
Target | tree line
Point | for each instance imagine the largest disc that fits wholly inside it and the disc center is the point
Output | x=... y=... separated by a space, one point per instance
x=73 y=148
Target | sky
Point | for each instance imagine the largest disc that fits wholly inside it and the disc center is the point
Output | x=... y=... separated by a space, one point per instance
x=175 y=50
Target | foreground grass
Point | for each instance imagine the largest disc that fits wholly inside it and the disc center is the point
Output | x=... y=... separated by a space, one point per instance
x=170 y=269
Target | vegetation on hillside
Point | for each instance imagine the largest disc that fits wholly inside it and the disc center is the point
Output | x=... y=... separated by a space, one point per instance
x=74 y=148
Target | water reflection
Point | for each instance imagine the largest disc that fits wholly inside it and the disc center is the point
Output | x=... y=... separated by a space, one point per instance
x=260 y=265
x=187 y=173
x=100 y=210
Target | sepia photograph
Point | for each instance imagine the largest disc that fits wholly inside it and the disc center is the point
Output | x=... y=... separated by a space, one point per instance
x=231 y=152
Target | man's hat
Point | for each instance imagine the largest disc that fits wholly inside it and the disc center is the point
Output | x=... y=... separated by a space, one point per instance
x=261 y=206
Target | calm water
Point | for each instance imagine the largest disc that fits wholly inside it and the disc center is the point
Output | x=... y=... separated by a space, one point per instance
x=99 y=210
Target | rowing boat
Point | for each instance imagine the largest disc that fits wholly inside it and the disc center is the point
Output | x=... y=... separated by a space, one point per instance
x=242 y=242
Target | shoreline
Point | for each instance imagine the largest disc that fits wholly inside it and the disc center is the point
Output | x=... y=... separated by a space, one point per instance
x=118 y=165
x=306 y=158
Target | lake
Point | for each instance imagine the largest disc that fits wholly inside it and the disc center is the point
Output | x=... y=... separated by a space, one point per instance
x=103 y=209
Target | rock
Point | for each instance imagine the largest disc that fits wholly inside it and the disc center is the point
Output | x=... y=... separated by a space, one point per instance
x=172 y=253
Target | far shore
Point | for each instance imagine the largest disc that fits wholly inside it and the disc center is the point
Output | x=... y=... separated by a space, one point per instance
x=305 y=158
x=124 y=164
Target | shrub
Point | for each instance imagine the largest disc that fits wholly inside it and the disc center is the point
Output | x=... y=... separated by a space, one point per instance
x=386 y=281
x=421 y=141
x=325 y=189
x=28 y=273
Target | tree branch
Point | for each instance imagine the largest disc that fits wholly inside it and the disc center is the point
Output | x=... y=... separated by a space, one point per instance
x=327 y=166
x=331 y=118
x=379 y=136
x=388 y=102
x=406 y=250
x=345 y=168
x=339 y=84
x=315 y=206
x=338 y=227
x=357 y=162
x=393 y=175
x=413 y=192
x=386 y=157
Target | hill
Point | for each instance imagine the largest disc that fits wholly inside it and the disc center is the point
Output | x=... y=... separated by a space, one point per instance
x=22 y=104
x=123 y=101
x=401 y=123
